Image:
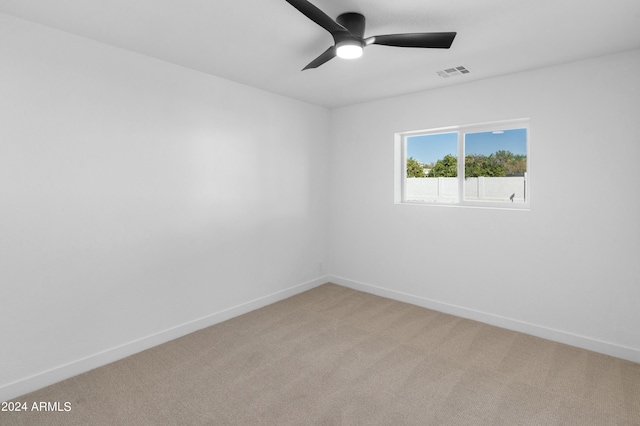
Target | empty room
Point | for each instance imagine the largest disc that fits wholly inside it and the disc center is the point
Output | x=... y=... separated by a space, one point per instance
x=327 y=212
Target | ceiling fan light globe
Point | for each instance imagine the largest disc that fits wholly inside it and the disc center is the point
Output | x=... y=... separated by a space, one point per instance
x=349 y=50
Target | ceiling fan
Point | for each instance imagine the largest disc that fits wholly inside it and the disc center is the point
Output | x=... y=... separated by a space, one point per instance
x=348 y=35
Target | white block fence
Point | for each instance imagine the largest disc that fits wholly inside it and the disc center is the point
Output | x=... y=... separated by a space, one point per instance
x=475 y=188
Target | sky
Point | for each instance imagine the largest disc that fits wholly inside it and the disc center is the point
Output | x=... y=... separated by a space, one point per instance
x=433 y=147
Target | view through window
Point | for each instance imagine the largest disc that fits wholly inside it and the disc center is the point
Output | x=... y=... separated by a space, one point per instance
x=493 y=171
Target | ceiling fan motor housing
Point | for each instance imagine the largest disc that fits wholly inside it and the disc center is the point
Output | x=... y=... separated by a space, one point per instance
x=354 y=22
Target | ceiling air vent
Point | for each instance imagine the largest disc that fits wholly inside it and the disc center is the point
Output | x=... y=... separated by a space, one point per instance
x=452 y=72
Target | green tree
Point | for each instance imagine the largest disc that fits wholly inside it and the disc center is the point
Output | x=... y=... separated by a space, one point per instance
x=500 y=163
x=511 y=163
x=480 y=165
x=414 y=168
x=446 y=167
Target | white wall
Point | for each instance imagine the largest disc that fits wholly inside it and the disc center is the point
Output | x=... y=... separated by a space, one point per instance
x=568 y=269
x=129 y=209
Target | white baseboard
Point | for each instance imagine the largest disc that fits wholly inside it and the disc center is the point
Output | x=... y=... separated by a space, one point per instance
x=584 y=342
x=62 y=372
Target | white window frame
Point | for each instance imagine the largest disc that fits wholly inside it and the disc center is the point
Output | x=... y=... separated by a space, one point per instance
x=400 y=164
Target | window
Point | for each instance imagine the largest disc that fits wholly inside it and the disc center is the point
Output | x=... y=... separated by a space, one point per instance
x=494 y=171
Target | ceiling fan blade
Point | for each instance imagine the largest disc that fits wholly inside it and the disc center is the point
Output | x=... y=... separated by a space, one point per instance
x=317 y=16
x=431 y=40
x=328 y=54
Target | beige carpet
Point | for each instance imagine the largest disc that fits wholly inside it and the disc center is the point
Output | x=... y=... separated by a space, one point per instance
x=335 y=356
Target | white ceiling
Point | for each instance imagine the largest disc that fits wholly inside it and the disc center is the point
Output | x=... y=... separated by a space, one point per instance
x=265 y=43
